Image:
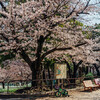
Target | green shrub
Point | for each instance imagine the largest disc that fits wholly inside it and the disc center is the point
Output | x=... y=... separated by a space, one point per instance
x=89 y=76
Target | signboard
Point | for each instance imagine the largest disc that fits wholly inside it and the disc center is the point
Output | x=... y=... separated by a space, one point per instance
x=60 y=71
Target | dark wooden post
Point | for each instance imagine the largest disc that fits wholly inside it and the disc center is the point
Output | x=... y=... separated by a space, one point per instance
x=52 y=84
x=27 y=83
x=58 y=82
x=62 y=83
x=90 y=69
x=8 y=87
x=93 y=70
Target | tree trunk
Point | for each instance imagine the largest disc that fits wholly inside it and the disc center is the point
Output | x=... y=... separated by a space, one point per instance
x=49 y=73
x=32 y=67
x=33 y=78
x=74 y=73
x=69 y=71
x=35 y=65
x=3 y=85
x=97 y=69
x=35 y=68
x=87 y=70
x=75 y=70
x=50 y=78
x=44 y=74
x=76 y=66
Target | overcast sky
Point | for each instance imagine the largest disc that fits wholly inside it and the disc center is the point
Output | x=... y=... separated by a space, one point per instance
x=92 y=18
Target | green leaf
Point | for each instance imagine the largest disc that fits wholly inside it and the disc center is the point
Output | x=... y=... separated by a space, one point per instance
x=66 y=6
x=58 y=14
x=61 y=25
x=88 y=36
x=83 y=32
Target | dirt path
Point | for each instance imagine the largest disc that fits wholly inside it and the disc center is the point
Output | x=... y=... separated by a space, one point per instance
x=77 y=95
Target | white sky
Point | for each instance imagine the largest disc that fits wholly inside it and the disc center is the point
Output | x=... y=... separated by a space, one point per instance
x=92 y=18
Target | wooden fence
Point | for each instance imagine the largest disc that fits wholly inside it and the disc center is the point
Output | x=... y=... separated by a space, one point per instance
x=48 y=83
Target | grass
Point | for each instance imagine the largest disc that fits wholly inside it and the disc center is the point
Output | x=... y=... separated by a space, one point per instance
x=13 y=89
x=10 y=90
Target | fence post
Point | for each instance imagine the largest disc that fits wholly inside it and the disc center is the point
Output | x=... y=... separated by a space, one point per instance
x=42 y=85
x=26 y=83
x=7 y=87
x=58 y=82
x=52 y=83
x=62 y=83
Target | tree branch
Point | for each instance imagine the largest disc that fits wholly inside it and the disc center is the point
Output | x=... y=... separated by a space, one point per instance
x=60 y=49
x=69 y=67
x=82 y=12
x=49 y=33
x=79 y=63
x=4 y=14
x=2 y=5
x=25 y=57
x=72 y=10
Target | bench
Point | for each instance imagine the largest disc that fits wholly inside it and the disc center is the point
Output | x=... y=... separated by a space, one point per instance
x=97 y=81
x=89 y=85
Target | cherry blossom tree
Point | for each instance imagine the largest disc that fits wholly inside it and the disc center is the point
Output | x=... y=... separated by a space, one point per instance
x=89 y=54
x=2 y=75
x=15 y=71
x=34 y=29
x=96 y=47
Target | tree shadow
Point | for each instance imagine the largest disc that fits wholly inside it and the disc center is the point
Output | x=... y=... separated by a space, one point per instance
x=87 y=91
x=21 y=96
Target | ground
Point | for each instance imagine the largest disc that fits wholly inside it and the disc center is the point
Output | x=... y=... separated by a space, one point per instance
x=75 y=94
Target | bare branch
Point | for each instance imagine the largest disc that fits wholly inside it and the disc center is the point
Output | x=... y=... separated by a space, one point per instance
x=82 y=11
x=72 y=10
x=2 y=5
